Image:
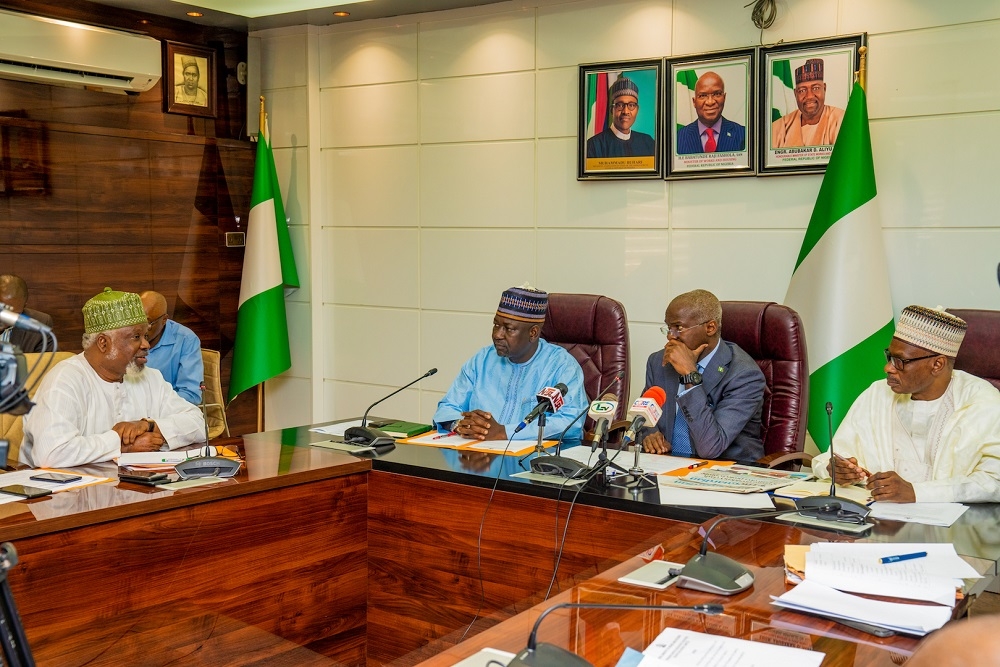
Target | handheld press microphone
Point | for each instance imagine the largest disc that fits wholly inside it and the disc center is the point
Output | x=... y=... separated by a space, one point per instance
x=550 y=399
x=549 y=655
x=372 y=437
x=646 y=409
x=602 y=411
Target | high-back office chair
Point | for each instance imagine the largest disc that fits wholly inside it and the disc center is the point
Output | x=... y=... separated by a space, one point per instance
x=11 y=428
x=773 y=335
x=214 y=406
x=980 y=351
x=594 y=329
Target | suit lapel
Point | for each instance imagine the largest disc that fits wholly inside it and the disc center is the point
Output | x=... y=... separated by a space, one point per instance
x=717 y=368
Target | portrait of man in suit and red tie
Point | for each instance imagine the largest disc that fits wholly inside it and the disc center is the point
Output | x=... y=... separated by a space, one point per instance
x=711 y=132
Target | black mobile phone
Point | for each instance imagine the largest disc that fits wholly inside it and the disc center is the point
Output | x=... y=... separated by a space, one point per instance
x=141 y=474
x=25 y=491
x=56 y=477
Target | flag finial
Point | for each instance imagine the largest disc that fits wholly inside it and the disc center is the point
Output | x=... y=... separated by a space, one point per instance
x=862 y=73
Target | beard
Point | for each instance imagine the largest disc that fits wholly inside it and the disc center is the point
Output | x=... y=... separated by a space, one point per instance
x=133 y=370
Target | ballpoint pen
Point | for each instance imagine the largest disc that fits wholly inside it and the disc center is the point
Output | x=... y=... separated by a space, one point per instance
x=444 y=435
x=697 y=465
x=901 y=557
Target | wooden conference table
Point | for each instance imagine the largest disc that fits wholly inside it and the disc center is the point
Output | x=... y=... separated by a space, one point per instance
x=311 y=556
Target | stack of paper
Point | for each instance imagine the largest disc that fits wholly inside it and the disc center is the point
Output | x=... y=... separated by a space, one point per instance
x=685 y=647
x=931 y=514
x=741 y=481
x=858 y=494
x=910 y=619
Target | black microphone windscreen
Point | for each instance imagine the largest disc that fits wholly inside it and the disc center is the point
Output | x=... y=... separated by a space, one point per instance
x=562 y=388
x=430 y=372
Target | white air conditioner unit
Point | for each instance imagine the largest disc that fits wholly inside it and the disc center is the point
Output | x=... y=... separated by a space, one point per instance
x=61 y=53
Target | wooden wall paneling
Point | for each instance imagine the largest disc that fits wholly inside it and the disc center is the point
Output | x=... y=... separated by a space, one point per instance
x=423 y=545
x=290 y=561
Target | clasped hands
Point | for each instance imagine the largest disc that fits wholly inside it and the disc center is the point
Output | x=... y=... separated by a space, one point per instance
x=479 y=425
x=884 y=486
x=136 y=436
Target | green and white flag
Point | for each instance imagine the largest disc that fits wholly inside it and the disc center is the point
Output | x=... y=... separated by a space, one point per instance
x=261 y=350
x=840 y=286
x=782 y=89
x=684 y=90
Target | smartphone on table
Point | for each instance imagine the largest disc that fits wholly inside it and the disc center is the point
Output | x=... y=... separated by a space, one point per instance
x=56 y=477
x=24 y=491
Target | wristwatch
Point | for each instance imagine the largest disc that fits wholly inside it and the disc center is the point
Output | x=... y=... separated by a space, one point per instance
x=694 y=377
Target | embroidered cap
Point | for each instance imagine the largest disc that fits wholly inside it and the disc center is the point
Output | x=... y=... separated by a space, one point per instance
x=932 y=329
x=623 y=86
x=812 y=70
x=112 y=310
x=524 y=304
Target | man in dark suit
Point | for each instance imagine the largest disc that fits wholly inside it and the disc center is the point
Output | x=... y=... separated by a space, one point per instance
x=711 y=133
x=619 y=139
x=13 y=295
x=715 y=390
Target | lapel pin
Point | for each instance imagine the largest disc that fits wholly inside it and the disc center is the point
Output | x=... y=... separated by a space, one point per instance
x=722 y=369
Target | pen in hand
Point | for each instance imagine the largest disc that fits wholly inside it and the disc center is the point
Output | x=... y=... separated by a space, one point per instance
x=901 y=557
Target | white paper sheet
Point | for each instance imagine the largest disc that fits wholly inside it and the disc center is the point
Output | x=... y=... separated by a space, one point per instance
x=907 y=618
x=672 y=495
x=685 y=648
x=650 y=463
x=24 y=477
x=486 y=657
x=336 y=429
x=931 y=514
x=868 y=575
x=942 y=560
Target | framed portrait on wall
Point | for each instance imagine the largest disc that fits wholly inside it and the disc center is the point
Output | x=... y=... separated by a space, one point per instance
x=710 y=119
x=620 y=120
x=805 y=88
x=189 y=84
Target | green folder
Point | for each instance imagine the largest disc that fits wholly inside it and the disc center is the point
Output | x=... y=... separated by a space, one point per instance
x=400 y=429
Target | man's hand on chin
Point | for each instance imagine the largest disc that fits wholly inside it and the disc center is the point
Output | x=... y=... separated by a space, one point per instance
x=480 y=425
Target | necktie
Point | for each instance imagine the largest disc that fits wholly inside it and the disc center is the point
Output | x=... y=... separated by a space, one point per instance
x=710 y=142
x=681 y=443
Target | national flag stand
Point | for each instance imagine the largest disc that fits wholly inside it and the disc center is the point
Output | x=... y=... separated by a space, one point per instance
x=840 y=285
x=261 y=350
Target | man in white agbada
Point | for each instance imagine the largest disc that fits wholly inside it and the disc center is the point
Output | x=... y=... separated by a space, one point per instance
x=102 y=402
x=929 y=433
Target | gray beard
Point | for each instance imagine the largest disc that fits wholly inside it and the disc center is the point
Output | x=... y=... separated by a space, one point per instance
x=133 y=370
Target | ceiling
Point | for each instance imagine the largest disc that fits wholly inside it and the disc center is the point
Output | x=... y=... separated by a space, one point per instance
x=294 y=12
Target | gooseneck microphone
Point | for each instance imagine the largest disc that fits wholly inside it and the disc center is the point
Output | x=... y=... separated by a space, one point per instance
x=372 y=437
x=831 y=507
x=20 y=321
x=549 y=655
x=550 y=399
x=207 y=465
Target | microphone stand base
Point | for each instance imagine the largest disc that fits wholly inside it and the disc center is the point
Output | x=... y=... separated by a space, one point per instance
x=636 y=478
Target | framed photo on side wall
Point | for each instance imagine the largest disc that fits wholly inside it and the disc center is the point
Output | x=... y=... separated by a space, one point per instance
x=710 y=122
x=189 y=81
x=805 y=88
x=620 y=120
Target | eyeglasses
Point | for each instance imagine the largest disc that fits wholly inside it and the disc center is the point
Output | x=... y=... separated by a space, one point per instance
x=717 y=95
x=156 y=320
x=631 y=106
x=668 y=330
x=899 y=363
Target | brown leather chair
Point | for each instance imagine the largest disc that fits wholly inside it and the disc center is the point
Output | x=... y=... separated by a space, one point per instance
x=773 y=335
x=980 y=351
x=594 y=329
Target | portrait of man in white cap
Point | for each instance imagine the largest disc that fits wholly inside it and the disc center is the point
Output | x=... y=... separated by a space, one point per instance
x=618 y=139
x=814 y=122
x=189 y=89
x=928 y=433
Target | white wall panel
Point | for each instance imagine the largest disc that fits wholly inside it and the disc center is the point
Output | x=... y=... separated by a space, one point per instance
x=478 y=185
x=644 y=339
x=292 y=165
x=481 y=45
x=371 y=345
x=351 y=399
x=898 y=15
x=371 y=187
x=466 y=270
x=714 y=25
x=744 y=203
x=628 y=265
x=929 y=174
x=283 y=62
x=935 y=71
x=758 y=263
x=586 y=32
x=287 y=402
x=564 y=201
x=299 y=317
x=299 y=235
x=375 y=267
x=557 y=111
x=428 y=404
x=483 y=108
x=287 y=116
x=447 y=340
x=954 y=268
x=378 y=55
x=369 y=115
